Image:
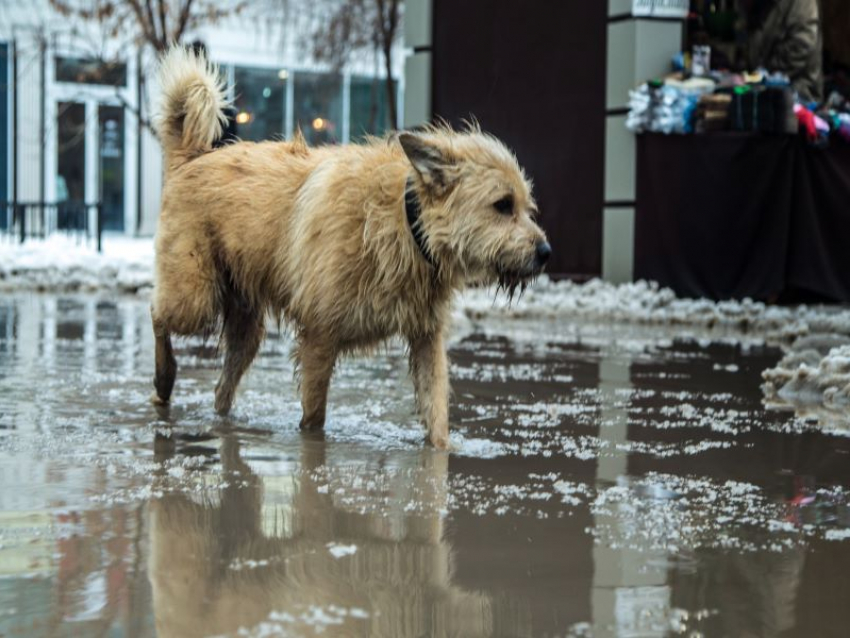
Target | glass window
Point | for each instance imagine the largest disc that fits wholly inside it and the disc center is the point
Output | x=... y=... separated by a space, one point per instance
x=91 y=71
x=260 y=103
x=318 y=107
x=112 y=166
x=369 y=111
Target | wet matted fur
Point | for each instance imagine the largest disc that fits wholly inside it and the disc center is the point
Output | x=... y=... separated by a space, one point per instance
x=320 y=238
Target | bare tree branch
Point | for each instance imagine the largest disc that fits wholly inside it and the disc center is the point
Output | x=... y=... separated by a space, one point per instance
x=163 y=24
x=348 y=26
x=141 y=18
x=152 y=22
x=185 y=13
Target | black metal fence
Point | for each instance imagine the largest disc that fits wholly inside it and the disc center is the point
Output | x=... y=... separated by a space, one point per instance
x=20 y=221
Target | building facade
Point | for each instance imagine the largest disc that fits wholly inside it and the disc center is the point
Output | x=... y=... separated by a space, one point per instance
x=75 y=111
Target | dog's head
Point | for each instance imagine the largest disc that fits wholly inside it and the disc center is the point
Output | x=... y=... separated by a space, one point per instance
x=477 y=207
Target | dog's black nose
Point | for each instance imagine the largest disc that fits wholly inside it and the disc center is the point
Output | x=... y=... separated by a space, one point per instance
x=544 y=251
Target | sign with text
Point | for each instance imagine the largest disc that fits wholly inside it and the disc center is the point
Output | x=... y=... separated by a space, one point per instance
x=661 y=8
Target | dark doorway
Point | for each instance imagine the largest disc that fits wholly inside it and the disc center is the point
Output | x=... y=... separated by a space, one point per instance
x=533 y=74
x=111 y=119
x=71 y=165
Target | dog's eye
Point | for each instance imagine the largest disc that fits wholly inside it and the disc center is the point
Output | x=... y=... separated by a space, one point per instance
x=505 y=206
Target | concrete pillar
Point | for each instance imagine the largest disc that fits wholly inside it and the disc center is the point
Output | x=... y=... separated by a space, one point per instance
x=418 y=34
x=639 y=48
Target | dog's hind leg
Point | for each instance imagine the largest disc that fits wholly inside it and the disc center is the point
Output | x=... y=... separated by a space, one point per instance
x=243 y=334
x=316 y=361
x=165 y=363
x=184 y=299
x=430 y=370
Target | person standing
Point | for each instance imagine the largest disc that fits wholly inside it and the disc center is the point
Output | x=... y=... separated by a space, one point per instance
x=785 y=36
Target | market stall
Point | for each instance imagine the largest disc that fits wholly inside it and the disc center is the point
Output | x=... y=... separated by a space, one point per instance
x=743 y=180
x=733 y=215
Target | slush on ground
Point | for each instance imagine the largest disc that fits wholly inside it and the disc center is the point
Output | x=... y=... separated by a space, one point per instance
x=625 y=463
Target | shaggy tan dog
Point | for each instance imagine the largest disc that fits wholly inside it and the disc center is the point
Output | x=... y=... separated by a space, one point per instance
x=349 y=244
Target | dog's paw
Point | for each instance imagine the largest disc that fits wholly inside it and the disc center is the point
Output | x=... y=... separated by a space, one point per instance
x=223 y=403
x=440 y=442
x=157 y=401
x=311 y=424
x=222 y=410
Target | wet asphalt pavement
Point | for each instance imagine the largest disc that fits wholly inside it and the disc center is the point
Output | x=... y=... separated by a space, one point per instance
x=608 y=480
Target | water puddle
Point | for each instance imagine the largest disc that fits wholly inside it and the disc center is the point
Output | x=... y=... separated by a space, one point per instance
x=607 y=480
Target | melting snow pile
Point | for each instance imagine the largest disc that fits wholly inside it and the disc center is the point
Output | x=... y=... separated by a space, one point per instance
x=62 y=263
x=815 y=371
x=806 y=377
x=647 y=303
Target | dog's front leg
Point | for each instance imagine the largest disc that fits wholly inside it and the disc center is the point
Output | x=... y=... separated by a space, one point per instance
x=430 y=370
x=316 y=359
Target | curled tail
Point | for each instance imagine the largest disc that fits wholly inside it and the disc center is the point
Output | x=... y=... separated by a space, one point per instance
x=191 y=111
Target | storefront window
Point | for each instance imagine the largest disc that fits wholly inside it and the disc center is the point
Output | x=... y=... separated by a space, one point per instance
x=90 y=71
x=260 y=103
x=369 y=111
x=318 y=107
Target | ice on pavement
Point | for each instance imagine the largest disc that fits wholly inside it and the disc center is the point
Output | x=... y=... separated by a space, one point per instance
x=808 y=378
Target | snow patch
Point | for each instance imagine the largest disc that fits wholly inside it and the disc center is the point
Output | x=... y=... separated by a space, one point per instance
x=61 y=263
x=837 y=534
x=648 y=303
x=338 y=551
x=805 y=378
x=477 y=448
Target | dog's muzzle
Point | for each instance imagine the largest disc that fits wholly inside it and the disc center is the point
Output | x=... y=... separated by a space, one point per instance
x=542 y=254
x=512 y=278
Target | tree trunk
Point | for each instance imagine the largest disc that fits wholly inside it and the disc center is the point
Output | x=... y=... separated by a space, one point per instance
x=391 y=94
x=387 y=23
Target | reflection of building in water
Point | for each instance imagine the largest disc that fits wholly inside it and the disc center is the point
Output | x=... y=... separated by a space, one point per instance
x=69 y=336
x=75 y=572
x=27 y=548
x=218 y=566
x=630 y=592
x=754 y=593
x=67 y=566
x=75 y=135
x=744 y=592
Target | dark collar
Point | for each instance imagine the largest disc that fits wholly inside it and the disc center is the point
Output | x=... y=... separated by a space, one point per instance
x=413 y=209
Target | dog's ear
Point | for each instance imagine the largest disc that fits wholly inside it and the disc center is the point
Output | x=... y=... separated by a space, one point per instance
x=429 y=161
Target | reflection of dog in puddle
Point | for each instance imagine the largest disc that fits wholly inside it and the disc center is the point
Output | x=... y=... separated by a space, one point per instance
x=309 y=563
x=350 y=244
